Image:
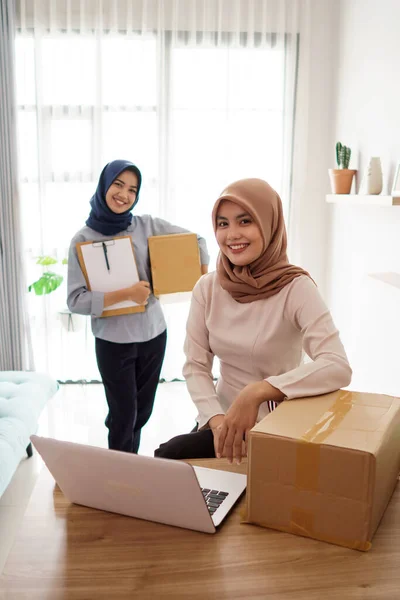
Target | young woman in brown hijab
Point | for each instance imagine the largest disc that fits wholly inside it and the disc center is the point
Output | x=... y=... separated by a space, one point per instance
x=257 y=313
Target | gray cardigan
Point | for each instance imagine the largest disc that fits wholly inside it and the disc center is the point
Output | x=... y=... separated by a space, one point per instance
x=135 y=327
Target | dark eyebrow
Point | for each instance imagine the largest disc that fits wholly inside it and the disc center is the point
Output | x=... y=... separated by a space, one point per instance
x=238 y=216
x=123 y=182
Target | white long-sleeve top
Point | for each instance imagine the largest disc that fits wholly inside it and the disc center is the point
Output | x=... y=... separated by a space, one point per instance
x=264 y=339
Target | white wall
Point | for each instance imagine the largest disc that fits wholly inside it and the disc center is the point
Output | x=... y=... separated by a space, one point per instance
x=364 y=239
x=313 y=140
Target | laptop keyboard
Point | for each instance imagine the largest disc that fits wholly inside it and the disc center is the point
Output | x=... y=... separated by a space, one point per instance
x=213 y=498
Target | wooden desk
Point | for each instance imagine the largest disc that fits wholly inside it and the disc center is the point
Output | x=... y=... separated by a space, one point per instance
x=64 y=551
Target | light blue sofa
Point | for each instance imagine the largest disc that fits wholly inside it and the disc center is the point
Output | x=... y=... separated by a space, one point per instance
x=22 y=398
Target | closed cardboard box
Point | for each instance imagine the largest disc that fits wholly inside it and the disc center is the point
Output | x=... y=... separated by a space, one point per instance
x=325 y=467
x=175 y=262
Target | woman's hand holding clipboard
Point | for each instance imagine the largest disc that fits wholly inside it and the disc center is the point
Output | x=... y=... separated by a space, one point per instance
x=140 y=292
x=109 y=266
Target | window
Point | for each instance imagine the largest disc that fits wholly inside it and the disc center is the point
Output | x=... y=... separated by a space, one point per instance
x=193 y=117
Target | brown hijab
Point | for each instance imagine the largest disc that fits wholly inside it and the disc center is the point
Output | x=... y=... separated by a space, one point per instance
x=271 y=271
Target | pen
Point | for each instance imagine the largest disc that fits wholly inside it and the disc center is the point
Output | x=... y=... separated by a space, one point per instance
x=105 y=256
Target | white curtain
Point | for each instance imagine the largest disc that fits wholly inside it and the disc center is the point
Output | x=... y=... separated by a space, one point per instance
x=197 y=93
x=15 y=348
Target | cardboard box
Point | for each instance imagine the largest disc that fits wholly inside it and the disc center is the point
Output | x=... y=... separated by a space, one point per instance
x=175 y=262
x=325 y=467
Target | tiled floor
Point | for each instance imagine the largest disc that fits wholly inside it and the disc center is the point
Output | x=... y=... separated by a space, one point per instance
x=77 y=414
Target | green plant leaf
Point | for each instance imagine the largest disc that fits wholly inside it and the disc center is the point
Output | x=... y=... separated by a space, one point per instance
x=46 y=260
x=47 y=283
x=64 y=261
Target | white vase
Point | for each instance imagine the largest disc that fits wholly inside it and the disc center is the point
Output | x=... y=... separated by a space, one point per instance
x=372 y=180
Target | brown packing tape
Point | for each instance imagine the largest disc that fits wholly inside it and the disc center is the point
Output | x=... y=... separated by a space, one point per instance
x=302 y=524
x=308 y=447
x=330 y=419
x=243 y=512
x=308 y=467
x=303 y=530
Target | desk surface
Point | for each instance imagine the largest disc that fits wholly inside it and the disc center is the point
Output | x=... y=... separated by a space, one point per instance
x=65 y=551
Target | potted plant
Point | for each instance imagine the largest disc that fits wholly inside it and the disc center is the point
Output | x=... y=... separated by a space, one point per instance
x=48 y=283
x=342 y=177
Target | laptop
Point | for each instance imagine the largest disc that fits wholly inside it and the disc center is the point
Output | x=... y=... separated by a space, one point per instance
x=156 y=489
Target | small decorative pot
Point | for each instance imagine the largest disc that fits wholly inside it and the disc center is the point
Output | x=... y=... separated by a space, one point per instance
x=341 y=180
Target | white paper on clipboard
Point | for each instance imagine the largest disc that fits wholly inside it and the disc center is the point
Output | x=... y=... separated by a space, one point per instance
x=122 y=272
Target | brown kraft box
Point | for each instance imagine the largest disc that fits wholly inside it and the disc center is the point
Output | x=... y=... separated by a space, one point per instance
x=175 y=262
x=325 y=467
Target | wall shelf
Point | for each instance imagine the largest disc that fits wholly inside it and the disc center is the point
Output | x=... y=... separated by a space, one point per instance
x=390 y=278
x=375 y=200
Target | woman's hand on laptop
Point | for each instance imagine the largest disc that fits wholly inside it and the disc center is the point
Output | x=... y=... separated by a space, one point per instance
x=241 y=417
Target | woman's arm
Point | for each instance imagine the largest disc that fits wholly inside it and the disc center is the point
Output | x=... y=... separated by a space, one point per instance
x=329 y=369
x=138 y=292
x=197 y=369
x=241 y=417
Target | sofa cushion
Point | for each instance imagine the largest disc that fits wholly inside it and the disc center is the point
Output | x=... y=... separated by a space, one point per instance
x=22 y=398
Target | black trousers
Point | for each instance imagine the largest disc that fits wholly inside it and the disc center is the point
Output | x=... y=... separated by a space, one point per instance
x=196 y=444
x=130 y=374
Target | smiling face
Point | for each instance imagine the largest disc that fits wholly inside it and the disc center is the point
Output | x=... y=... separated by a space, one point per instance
x=121 y=195
x=238 y=235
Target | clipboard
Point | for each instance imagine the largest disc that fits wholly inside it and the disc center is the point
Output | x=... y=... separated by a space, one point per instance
x=110 y=265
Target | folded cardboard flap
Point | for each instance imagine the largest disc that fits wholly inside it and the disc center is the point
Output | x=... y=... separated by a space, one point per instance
x=325 y=467
x=175 y=263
